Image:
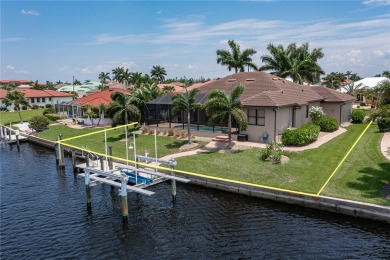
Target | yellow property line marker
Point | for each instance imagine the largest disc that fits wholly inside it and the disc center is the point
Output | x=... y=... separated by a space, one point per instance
x=345 y=157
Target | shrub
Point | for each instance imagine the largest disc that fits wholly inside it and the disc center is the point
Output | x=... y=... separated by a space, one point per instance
x=363 y=104
x=34 y=107
x=328 y=124
x=306 y=134
x=48 y=105
x=39 y=123
x=357 y=116
x=144 y=129
x=383 y=111
x=384 y=124
x=170 y=132
x=49 y=110
x=151 y=131
x=316 y=114
x=55 y=117
x=24 y=107
x=272 y=152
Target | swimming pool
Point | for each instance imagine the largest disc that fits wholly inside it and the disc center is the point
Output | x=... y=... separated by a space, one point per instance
x=205 y=128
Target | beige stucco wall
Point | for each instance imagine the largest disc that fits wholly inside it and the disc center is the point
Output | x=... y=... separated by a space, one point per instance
x=333 y=110
x=255 y=132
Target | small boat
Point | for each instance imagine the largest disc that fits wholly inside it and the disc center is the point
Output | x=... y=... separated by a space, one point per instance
x=140 y=179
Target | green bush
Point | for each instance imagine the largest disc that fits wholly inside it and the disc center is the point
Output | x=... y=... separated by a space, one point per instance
x=272 y=152
x=384 y=124
x=48 y=105
x=39 y=123
x=24 y=107
x=49 y=110
x=55 y=117
x=358 y=116
x=328 y=124
x=34 y=107
x=316 y=114
x=306 y=134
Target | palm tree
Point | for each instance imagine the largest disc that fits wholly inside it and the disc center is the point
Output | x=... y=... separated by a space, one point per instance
x=167 y=89
x=36 y=85
x=59 y=82
x=221 y=107
x=77 y=82
x=236 y=59
x=186 y=103
x=16 y=98
x=158 y=73
x=296 y=62
x=351 y=88
x=334 y=80
x=126 y=75
x=103 y=77
x=143 y=94
x=102 y=109
x=122 y=110
x=135 y=78
x=117 y=72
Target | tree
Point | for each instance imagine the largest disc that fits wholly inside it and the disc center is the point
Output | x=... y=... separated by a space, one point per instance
x=117 y=72
x=334 y=80
x=383 y=92
x=16 y=98
x=221 y=107
x=102 y=109
x=121 y=110
x=77 y=82
x=103 y=77
x=296 y=62
x=143 y=94
x=167 y=89
x=236 y=59
x=158 y=73
x=351 y=88
x=36 y=85
x=59 y=82
x=186 y=103
x=135 y=78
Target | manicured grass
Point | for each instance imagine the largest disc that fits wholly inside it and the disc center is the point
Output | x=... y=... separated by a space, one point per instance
x=13 y=117
x=364 y=172
x=116 y=139
x=307 y=171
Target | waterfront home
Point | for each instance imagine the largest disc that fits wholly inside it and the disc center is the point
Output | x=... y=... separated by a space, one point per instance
x=272 y=104
x=81 y=90
x=73 y=109
x=40 y=98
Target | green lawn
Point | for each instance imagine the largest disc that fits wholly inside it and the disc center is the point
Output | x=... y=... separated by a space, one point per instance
x=13 y=117
x=307 y=171
x=115 y=138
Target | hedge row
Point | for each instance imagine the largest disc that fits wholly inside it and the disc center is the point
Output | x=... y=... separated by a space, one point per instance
x=303 y=135
x=384 y=124
x=55 y=117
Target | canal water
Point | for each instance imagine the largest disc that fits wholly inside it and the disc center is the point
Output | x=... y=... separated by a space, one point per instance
x=44 y=216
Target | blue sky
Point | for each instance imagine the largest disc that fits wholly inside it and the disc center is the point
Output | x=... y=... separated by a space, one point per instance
x=54 y=40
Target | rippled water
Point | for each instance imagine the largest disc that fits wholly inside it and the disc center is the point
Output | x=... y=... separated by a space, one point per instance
x=44 y=216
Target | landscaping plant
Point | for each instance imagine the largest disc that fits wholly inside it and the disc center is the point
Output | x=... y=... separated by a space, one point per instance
x=39 y=123
x=316 y=114
x=328 y=124
x=358 y=116
x=303 y=135
x=384 y=124
x=272 y=152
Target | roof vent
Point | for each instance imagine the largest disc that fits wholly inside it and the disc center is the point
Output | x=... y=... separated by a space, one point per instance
x=302 y=90
x=282 y=91
x=250 y=79
x=231 y=80
x=275 y=78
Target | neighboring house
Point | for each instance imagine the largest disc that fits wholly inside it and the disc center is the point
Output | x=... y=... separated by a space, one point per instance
x=365 y=84
x=73 y=108
x=272 y=104
x=40 y=97
x=179 y=86
x=81 y=90
x=16 y=81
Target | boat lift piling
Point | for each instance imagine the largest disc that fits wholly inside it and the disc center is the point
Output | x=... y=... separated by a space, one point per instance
x=60 y=153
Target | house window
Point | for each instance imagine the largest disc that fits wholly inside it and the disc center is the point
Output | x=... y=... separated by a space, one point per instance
x=43 y=99
x=32 y=100
x=49 y=98
x=307 y=111
x=256 y=117
x=38 y=99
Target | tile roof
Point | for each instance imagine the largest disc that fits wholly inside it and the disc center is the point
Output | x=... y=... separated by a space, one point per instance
x=33 y=93
x=179 y=86
x=100 y=97
x=263 y=89
x=331 y=95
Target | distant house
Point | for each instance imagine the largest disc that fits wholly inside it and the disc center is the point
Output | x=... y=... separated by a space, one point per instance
x=40 y=97
x=81 y=90
x=366 y=84
x=73 y=109
x=272 y=104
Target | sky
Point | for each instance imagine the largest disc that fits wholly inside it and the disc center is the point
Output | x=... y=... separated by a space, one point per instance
x=56 y=40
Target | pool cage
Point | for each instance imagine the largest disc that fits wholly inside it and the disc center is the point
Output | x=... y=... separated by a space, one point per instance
x=159 y=111
x=69 y=109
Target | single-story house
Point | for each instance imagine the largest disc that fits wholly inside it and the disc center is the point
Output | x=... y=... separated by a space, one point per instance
x=40 y=97
x=365 y=84
x=272 y=104
x=72 y=109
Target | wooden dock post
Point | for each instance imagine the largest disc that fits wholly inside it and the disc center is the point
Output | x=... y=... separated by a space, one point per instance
x=88 y=190
x=110 y=164
x=101 y=163
x=74 y=161
x=9 y=135
x=61 y=161
x=125 y=209
x=17 y=139
x=173 y=182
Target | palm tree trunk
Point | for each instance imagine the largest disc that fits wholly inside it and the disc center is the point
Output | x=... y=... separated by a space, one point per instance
x=20 y=116
x=189 y=126
x=230 y=130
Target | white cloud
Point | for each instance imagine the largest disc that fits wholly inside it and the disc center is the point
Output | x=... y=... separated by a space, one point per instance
x=29 y=12
x=12 y=39
x=10 y=67
x=376 y=2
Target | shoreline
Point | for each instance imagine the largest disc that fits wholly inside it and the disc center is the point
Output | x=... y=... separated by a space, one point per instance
x=324 y=203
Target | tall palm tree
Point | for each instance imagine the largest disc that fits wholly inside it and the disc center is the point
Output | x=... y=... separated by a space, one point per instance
x=126 y=76
x=16 y=98
x=221 y=107
x=103 y=77
x=236 y=59
x=158 y=73
x=122 y=110
x=102 y=109
x=186 y=103
x=77 y=82
x=334 y=80
x=135 y=78
x=117 y=72
x=143 y=94
x=296 y=62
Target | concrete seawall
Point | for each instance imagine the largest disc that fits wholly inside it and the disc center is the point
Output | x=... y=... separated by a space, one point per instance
x=341 y=206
